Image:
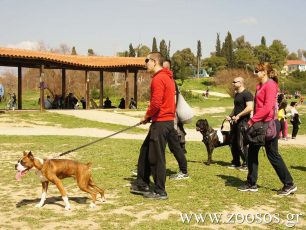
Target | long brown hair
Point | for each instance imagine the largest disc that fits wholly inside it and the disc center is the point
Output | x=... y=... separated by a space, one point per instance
x=266 y=66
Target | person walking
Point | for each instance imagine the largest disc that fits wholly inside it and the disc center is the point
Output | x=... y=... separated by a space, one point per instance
x=295 y=119
x=243 y=106
x=176 y=141
x=281 y=115
x=161 y=112
x=265 y=110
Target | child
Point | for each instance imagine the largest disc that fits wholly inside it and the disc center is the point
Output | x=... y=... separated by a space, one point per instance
x=295 y=119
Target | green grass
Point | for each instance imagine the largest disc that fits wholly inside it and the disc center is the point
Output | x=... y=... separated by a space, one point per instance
x=64 y=121
x=201 y=84
x=211 y=189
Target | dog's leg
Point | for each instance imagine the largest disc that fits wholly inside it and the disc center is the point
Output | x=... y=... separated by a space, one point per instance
x=99 y=190
x=60 y=187
x=209 y=149
x=43 y=194
x=83 y=183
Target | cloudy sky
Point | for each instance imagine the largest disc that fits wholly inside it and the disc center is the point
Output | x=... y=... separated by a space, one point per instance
x=109 y=26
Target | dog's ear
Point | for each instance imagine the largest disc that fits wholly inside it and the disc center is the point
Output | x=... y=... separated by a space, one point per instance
x=30 y=155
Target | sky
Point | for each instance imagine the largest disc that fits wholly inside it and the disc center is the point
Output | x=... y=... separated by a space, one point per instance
x=109 y=26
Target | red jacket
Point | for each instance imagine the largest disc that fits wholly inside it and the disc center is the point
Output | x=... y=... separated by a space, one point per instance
x=265 y=102
x=162 y=100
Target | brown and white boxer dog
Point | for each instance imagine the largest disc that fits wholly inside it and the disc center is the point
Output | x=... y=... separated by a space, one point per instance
x=212 y=138
x=53 y=170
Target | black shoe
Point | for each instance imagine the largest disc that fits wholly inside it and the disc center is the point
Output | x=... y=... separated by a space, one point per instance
x=156 y=196
x=139 y=190
x=287 y=189
x=248 y=188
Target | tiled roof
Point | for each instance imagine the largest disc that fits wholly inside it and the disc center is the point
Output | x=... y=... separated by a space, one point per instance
x=295 y=62
x=74 y=60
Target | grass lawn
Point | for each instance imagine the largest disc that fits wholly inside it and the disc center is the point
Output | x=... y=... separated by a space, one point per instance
x=211 y=189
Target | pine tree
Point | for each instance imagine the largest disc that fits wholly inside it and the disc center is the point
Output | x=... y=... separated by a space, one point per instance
x=132 y=52
x=228 y=50
x=263 y=41
x=163 y=48
x=154 y=45
x=73 y=51
x=90 y=52
x=199 y=55
x=168 y=53
x=218 y=46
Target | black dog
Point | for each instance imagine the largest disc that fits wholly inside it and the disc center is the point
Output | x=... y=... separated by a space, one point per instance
x=210 y=137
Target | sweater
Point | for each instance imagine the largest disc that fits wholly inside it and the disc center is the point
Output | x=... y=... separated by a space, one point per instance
x=265 y=102
x=162 y=100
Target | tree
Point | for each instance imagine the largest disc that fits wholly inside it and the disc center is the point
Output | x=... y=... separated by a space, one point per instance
x=244 y=57
x=183 y=62
x=73 y=51
x=143 y=51
x=168 y=53
x=300 y=54
x=292 y=56
x=154 y=45
x=218 y=46
x=199 y=55
x=261 y=52
x=228 y=50
x=240 y=43
x=304 y=53
x=91 y=52
x=278 y=53
x=163 y=48
x=214 y=63
x=132 y=52
x=263 y=41
x=123 y=54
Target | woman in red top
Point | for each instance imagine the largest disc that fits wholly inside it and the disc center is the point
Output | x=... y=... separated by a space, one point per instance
x=265 y=107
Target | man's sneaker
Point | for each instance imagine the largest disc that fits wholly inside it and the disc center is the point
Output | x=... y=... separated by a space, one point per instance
x=134 y=172
x=287 y=189
x=243 y=168
x=232 y=166
x=179 y=176
x=156 y=196
x=139 y=190
x=248 y=188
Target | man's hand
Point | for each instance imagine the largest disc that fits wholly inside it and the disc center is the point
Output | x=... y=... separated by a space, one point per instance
x=235 y=118
x=145 y=120
x=228 y=118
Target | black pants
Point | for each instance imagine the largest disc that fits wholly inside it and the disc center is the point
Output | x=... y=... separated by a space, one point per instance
x=239 y=147
x=295 y=129
x=274 y=157
x=177 y=150
x=282 y=127
x=152 y=159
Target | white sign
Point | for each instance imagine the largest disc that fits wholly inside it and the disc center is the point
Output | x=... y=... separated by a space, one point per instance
x=1 y=90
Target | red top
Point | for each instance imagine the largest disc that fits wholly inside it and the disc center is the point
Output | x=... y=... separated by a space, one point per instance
x=265 y=102
x=162 y=102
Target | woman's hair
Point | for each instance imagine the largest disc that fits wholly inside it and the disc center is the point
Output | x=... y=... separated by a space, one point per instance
x=293 y=103
x=282 y=105
x=272 y=73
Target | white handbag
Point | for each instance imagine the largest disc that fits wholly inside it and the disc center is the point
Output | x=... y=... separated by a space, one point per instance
x=183 y=110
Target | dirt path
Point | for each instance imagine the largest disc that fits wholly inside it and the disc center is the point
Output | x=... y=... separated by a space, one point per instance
x=128 y=118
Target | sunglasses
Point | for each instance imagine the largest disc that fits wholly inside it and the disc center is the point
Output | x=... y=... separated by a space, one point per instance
x=148 y=59
x=257 y=71
x=234 y=82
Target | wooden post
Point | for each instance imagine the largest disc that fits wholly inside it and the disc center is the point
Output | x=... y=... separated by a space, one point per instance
x=63 y=84
x=42 y=86
x=87 y=89
x=126 y=89
x=101 y=89
x=19 y=101
x=135 y=88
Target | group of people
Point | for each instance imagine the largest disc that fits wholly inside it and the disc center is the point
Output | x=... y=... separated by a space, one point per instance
x=58 y=102
x=161 y=112
x=108 y=104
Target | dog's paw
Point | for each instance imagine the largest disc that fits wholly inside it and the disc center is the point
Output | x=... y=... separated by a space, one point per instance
x=207 y=163
x=39 y=205
x=92 y=205
x=102 y=199
x=67 y=207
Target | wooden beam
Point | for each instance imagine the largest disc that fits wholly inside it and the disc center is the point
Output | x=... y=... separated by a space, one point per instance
x=101 y=89
x=19 y=101
x=87 y=90
x=63 y=83
x=126 y=89
x=135 y=87
x=42 y=86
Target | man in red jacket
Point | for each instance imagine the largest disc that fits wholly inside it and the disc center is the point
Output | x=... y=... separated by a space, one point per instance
x=161 y=112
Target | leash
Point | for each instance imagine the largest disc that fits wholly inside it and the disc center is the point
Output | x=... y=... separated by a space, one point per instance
x=93 y=142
